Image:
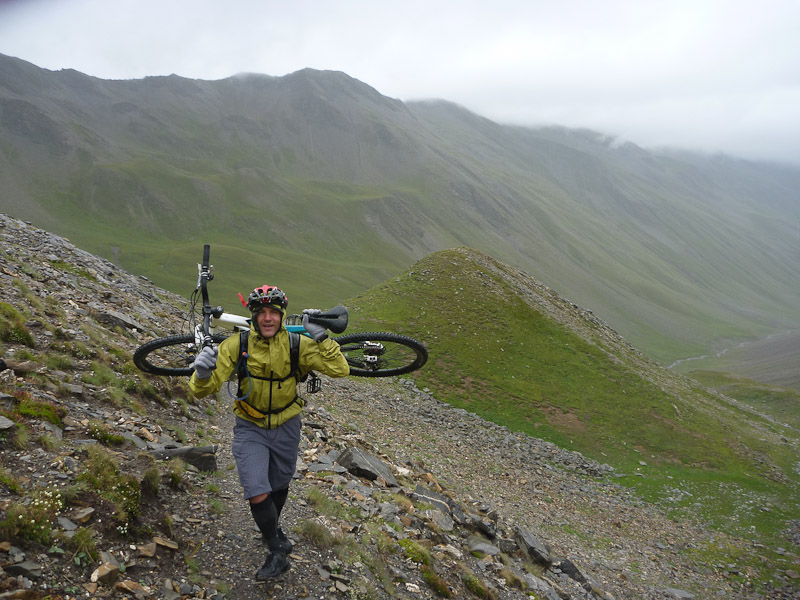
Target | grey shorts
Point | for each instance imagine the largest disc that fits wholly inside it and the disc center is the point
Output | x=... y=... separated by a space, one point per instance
x=266 y=459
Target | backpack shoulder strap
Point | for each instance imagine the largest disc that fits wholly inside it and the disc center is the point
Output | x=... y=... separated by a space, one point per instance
x=294 y=353
x=294 y=359
x=241 y=363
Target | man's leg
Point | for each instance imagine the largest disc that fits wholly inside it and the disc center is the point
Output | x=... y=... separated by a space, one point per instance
x=266 y=517
x=266 y=510
x=282 y=467
x=279 y=499
x=252 y=447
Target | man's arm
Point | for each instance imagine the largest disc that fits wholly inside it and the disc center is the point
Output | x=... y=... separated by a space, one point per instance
x=201 y=388
x=325 y=357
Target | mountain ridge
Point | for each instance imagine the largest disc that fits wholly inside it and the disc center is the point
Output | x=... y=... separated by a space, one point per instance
x=316 y=168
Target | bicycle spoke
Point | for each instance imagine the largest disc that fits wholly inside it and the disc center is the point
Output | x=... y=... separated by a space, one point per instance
x=381 y=354
x=172 y=355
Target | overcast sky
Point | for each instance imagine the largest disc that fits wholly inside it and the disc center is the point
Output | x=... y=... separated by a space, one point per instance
x=709 y=75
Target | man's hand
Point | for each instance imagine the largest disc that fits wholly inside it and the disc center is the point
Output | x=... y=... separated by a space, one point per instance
x=317 y=332
x=205 y=362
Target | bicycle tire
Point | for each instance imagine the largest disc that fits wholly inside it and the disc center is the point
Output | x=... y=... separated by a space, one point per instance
x=171 y=355
x=398 y=354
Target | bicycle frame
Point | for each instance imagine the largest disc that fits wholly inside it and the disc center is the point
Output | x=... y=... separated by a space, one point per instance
x=239 y=323
x=214 y=316
x=205 y=273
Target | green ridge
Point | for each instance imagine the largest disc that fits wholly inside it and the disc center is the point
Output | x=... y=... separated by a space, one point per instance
x=510 y=352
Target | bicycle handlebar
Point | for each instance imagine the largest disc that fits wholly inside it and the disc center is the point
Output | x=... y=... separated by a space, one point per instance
x=206 y=274
x=334 y=319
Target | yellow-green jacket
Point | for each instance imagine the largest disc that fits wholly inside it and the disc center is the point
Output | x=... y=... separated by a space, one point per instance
x=270 y=359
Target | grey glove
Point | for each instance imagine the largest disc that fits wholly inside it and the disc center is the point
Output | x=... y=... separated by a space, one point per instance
x=317 y=332
x=205 y=362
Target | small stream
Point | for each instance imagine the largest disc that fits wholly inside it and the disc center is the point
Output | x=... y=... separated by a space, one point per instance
x=781 y=337
x=771 y=359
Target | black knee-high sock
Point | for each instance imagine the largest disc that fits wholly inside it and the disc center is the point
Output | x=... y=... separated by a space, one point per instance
x=266 y=517
x=279 y=499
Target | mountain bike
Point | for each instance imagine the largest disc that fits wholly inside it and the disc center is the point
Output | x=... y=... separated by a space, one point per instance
x=371 y=354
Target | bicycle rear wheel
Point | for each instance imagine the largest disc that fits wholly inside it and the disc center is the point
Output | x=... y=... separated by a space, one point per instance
x=171 y=355
x=380 y=354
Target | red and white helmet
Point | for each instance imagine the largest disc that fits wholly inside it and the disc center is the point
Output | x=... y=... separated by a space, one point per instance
x=266 y=295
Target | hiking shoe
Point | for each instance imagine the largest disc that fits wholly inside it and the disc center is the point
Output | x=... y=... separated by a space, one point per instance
x=276 y=564
x=283 y=543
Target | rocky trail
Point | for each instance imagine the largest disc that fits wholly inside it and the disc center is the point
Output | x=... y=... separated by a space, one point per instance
x=114 y=484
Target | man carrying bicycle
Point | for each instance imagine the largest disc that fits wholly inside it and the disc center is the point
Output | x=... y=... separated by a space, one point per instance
x=266 y=435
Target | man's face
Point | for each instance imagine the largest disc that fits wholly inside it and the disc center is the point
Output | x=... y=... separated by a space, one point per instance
x=268 y=321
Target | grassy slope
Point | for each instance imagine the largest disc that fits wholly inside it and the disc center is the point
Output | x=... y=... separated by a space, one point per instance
x=348 y=237
x=780 y=403
x=501 y=350
x=306 y=234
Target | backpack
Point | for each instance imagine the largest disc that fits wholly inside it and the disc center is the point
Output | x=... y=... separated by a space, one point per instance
x=314 y=382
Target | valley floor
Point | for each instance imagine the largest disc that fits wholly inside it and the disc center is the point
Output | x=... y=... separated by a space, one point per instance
x=772 y=360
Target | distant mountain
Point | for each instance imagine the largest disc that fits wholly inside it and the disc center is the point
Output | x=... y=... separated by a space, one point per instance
x=319 y=183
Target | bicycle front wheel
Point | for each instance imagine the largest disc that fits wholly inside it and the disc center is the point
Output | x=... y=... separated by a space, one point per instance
x=171 y=355
x=379 y=354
